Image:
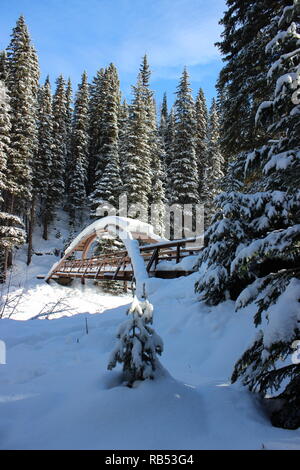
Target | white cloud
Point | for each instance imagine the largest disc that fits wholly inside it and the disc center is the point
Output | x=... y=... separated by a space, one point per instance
x=173 y=33
x=171 y=41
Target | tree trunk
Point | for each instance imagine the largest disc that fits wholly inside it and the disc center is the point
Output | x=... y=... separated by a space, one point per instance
x=30 y=230
x=9 y=254
x=45 y=229
x=3 y=272
x=9 y=259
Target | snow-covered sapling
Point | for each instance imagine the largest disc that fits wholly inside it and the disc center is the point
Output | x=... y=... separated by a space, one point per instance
x=138 y=344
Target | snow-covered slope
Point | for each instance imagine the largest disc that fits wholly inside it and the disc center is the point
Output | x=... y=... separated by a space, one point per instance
x=55 y=391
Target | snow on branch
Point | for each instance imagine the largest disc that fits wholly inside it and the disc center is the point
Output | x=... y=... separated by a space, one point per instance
x=273 y=244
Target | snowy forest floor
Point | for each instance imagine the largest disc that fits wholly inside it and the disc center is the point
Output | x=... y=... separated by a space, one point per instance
x=55 y=391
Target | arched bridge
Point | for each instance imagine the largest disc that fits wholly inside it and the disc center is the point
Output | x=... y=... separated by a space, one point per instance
x=145 y=255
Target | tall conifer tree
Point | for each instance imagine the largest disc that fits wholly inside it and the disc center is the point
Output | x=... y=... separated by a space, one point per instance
x=3 y=66
x=11 y=232
x=157 y=194
x=137 y=173
x=123 y=119
x=95 y=120
x=42 y=163
x=107 y=184
x=183 y=170
x=79 y=145
x=69 y=119
x=201 y=139
x=163 y=118
x=56 y=188
x=22 y=82
x=213 y=168
x=101 y=92
x=169 y=150
x=242 y=82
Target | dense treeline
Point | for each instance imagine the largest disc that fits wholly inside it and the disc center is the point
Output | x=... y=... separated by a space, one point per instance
x=56 y=152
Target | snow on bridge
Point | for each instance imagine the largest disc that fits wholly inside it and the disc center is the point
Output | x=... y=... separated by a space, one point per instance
x=155 y=257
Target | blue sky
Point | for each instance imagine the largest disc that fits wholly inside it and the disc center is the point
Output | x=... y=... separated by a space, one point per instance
x=73 y=35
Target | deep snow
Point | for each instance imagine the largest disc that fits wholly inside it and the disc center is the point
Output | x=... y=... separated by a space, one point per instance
x=55 y=391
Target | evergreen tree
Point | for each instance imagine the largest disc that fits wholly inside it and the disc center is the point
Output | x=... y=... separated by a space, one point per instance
x=212 y=174
x=143 y=171
x=60 y=132
x=215 y=157
x=79 y=145
x=3 y=66
x=201 y=139
x=107 y=184
x=274 y=255
x=99 y=91
x=22 y=82
x=11 y=233
x=138 y=344
x=145 y=74
x=137 y=169
x=163 y=119
x=252 y=247
x=157 y=194
x=183 y=166
x=5 y=129
x=56 y=185
x=169 y=137
x=69 y=119
x=43 y=160
x=169 y=147
x=123 y=119
x=163 y=135
x=242 y=82
x=95 y=117
x=41 y=165
x=157 y=199
x=228 y=231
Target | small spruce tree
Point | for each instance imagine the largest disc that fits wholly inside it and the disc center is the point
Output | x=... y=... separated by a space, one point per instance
x=138 y=344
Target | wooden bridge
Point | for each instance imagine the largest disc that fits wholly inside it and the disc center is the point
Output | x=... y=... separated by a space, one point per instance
x=156 y=256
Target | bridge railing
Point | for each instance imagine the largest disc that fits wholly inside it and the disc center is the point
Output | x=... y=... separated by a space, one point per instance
x=117 y=264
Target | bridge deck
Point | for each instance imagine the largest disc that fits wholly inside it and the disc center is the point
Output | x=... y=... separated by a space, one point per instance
x=116 y=265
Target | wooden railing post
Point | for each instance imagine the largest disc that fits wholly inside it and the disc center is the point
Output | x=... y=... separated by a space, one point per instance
x=156 y=258
x=153 y=258
x=178 y=253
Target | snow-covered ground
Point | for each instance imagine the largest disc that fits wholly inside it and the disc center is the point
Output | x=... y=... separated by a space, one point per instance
x=55 y=391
